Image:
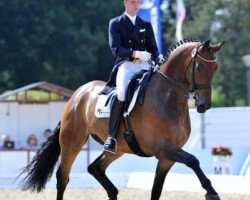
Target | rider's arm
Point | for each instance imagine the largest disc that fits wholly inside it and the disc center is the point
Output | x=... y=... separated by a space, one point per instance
x=115 y=42
x=151 y=44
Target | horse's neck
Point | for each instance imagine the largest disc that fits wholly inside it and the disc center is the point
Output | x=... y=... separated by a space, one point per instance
x=176 y=65
x=169 y=96
x=165 y=98
x=174 y=68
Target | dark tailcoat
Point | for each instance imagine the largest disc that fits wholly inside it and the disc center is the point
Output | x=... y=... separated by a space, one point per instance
x=125 y=37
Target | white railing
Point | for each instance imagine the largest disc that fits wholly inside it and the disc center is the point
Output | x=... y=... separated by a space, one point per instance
x=12 y=161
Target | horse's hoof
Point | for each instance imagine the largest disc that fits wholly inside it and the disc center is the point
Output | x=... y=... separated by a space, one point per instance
x=213 y=197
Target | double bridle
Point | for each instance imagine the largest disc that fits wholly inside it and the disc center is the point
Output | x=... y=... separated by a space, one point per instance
x=194 y=55
x=194 y=86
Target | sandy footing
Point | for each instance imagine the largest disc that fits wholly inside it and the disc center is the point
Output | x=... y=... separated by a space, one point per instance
x=99 y=194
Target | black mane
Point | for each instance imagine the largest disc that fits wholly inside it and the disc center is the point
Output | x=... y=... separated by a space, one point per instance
x=179 y=43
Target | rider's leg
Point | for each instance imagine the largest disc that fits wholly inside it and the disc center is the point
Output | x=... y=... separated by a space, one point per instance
x=115 y=118
x=125 y=72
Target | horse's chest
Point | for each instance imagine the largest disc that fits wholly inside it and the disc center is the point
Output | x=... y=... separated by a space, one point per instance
x=177 y=129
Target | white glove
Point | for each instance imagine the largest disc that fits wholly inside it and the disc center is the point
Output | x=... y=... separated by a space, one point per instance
x=142 y=55
x=160 y=60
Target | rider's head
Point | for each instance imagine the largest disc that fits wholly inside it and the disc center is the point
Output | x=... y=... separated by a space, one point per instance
x=132 y=6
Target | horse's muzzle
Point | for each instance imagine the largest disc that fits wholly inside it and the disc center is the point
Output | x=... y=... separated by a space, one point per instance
x=202 y=105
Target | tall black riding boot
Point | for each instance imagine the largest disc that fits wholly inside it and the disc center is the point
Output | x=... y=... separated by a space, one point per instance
x=114 y=121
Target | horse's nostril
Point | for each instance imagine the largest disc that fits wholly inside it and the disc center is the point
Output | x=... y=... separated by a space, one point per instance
x=201 y=107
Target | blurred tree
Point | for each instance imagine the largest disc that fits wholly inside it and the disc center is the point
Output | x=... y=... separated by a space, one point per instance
x=232 y=24
x=64 y=42
x=218 y=20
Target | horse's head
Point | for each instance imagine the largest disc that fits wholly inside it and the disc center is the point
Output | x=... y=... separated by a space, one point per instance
x=200 y=72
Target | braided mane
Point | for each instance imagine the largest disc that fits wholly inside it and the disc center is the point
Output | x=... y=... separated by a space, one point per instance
x=174 y=46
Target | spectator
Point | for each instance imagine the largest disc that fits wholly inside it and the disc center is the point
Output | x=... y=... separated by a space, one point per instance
x=47 y=133
x=32 y=142
x=7 y=143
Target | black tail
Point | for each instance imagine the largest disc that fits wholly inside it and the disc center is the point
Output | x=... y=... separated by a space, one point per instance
x=42 y=166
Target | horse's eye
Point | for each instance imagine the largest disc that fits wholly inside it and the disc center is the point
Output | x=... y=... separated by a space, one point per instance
x=199 y=67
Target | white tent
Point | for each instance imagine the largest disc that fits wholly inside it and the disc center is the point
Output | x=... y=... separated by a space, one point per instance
x=31 y=109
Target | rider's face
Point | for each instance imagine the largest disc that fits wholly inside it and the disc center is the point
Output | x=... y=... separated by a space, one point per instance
x=132 y=6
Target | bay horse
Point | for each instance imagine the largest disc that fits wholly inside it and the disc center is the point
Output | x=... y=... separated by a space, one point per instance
x=161 y=124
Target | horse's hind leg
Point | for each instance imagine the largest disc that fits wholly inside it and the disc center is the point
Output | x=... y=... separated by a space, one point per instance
x=72 y=138
x=162 y=169
x=98 y=168
x=171 y=152
x=60 y=186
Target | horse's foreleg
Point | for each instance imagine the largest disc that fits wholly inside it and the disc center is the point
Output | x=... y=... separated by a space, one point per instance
x=98 y=168
x=173 y=153
x=160 y=175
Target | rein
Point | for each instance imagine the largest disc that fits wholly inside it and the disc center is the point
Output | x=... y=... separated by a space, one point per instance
x=174 y=83
x=194 y=87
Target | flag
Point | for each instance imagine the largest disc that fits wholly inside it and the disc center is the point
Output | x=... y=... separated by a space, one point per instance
x=150 y=11
x=180 y=16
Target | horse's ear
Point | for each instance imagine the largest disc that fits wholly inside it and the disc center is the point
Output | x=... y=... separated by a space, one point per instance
x=206 y=45
x=217 y=47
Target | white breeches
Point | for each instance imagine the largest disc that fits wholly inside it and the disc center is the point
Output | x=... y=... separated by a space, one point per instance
x=125 y=72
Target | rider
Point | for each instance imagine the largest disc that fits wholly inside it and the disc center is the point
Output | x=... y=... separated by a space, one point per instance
x=132 y=41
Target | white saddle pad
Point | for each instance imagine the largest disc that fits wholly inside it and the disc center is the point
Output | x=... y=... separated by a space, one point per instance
x=102 y=111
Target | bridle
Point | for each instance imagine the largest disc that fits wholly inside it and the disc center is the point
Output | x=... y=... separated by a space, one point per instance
x=194 y=55
x=194 y=86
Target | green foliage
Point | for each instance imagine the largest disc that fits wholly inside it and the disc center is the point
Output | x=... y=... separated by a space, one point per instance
x=235 y=30
x=35 y=95
x=66 y=42
x=218 y=20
